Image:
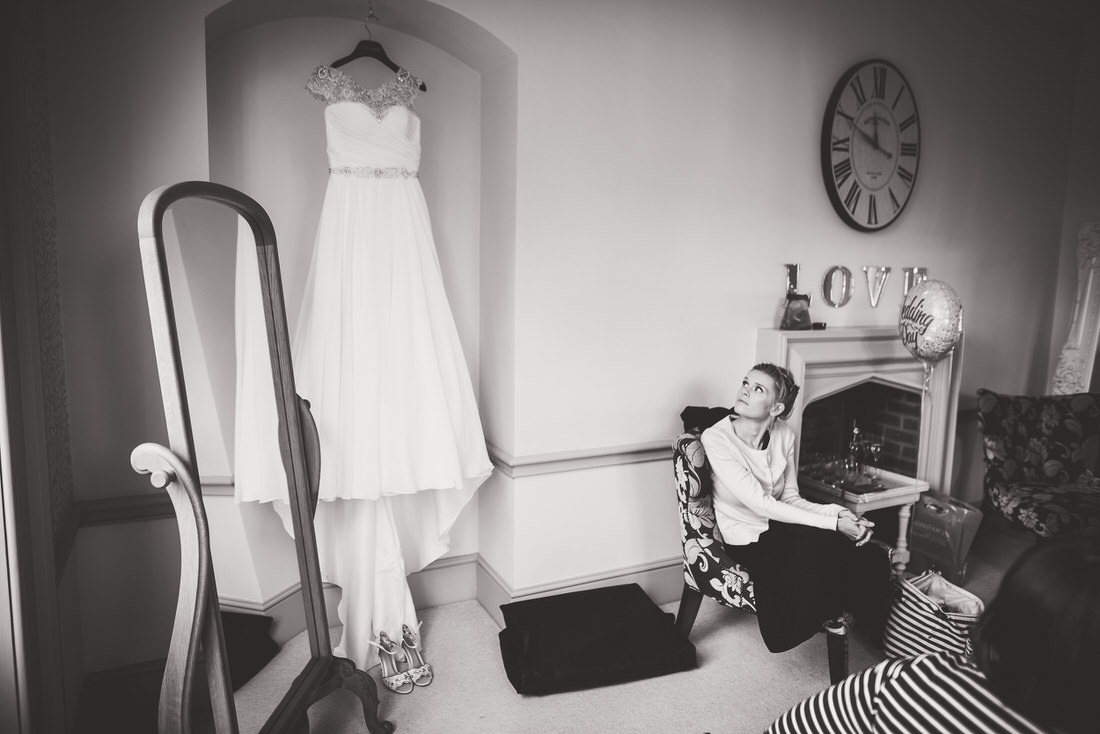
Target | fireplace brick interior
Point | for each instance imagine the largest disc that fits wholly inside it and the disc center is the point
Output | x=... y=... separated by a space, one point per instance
x=884 y=412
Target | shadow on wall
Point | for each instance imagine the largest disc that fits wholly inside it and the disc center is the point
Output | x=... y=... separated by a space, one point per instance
x=968 y=471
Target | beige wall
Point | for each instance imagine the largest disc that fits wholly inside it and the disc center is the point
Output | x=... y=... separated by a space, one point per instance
x=666 y=167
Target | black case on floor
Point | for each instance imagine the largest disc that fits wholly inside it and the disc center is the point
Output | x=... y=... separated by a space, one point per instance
x=591 y=638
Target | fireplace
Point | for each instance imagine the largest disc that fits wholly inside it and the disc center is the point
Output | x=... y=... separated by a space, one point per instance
x=888 y=419
x=871 y=360
x=856 y=372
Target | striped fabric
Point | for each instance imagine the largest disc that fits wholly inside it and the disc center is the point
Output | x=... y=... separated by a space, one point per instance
x=920 y=695
x=918 y=625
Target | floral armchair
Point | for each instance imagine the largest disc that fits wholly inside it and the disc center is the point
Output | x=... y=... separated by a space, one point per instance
x=1040 y=455
x=708 y=570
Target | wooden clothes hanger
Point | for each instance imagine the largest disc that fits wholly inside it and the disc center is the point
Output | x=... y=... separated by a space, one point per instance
x=371 y=49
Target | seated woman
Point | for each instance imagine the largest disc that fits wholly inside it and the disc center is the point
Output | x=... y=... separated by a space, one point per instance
x=1036 y=666
x=807 y=560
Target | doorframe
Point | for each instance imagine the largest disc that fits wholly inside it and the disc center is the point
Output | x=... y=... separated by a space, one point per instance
x=14 y=676
x=34 y=677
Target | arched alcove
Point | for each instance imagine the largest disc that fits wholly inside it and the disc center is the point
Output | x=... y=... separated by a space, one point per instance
x=484 y=303
x=266 y=138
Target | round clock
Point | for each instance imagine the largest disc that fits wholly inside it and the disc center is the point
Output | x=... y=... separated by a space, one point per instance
x=870 y=145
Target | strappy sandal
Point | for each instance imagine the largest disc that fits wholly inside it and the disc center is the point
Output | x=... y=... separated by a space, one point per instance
x=421 y=671
x=398 y=681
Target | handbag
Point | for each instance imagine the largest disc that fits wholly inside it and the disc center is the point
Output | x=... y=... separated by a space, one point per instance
x=930 y=614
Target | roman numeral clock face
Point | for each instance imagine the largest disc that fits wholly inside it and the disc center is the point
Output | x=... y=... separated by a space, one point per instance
x=870 y=145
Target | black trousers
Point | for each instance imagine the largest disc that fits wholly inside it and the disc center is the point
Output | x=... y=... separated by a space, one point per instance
x=804 y=576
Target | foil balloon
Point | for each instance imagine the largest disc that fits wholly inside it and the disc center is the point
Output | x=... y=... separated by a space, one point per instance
x=931 y=321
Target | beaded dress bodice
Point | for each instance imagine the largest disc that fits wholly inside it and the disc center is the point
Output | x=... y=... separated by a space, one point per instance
x=372 y=133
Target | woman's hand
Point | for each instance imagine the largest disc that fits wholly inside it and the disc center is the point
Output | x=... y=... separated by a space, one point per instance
x=848 y=527
x=853 y=527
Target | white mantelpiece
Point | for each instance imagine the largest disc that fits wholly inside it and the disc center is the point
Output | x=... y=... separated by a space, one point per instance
x=831 y=360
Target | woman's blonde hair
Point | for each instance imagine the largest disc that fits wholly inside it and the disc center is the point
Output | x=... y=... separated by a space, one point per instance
x=786 y=388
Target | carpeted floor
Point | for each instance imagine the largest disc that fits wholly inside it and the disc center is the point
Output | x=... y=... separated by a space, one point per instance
x=738 y=686
x=743 y=685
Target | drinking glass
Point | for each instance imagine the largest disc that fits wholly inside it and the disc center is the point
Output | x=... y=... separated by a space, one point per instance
x=876 y=451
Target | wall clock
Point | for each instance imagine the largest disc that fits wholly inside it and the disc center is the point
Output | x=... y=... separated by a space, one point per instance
x=870 y=145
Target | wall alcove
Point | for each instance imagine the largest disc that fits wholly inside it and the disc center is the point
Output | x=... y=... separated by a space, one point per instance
x=266 y=138
x=469 y=171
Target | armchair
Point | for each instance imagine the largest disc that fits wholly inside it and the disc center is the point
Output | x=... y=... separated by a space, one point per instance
x=708 y=570
x=1040 y=455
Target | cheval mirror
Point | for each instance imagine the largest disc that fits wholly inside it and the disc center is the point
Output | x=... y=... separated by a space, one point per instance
x=197 y=634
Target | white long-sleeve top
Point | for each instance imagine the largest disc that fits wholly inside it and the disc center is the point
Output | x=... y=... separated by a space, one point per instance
x=753 y=486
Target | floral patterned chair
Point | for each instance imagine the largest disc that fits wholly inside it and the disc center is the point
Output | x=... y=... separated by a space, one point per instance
x=708 y=571
x=1040 y=455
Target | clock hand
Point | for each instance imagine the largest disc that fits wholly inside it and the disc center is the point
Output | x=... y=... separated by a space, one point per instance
x=871 y=141
x=875 y=119
x=863 y=134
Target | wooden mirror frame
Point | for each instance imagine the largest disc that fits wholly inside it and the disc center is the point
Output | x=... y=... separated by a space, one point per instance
x=197 y=623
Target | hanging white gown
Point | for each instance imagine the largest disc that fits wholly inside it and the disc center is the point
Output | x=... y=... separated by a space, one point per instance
x=377 y=355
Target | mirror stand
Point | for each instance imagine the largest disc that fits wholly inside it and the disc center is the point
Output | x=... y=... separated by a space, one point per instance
x=197 y=630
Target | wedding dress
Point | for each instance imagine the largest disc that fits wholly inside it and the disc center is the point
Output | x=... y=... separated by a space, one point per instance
x=377 y=355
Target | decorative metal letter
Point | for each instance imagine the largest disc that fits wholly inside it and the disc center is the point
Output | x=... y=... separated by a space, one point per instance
x=876 y=275
x=845 y=286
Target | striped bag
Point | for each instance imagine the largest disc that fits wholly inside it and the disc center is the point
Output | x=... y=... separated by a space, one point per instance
x=930 y=614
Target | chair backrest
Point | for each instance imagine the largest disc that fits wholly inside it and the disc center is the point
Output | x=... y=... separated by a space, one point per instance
x=694 y=488
x=1046 y=438
x=707 y=568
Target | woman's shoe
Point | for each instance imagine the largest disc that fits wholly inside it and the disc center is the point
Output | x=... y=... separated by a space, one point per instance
x=398 y=681
x=421 y=671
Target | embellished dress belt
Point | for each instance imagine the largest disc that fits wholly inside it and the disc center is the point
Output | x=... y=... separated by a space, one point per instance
x=371 y=172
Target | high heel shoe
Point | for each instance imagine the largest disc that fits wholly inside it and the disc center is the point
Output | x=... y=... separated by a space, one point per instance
x=398 y=681
x=420 y=670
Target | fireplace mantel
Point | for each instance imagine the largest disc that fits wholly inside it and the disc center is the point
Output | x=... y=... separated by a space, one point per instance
x=828 y=361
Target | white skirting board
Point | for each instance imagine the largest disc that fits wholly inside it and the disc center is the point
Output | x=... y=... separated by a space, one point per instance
x=662 y=580
x=286 y=609
x=462 y=578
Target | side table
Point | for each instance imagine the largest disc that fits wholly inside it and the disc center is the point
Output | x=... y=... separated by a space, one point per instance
x=897 y=490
